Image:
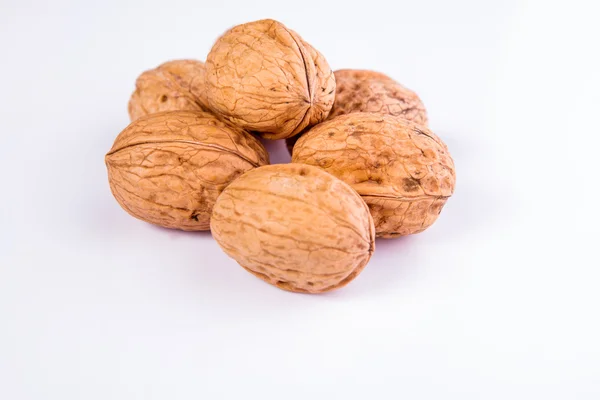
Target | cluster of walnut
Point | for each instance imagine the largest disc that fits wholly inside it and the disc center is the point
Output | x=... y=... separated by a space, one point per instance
x=364 y=163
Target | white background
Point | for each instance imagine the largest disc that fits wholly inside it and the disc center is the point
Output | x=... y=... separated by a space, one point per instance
x=499 y=299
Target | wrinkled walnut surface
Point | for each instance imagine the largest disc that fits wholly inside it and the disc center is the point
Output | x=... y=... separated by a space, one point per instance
x=294 y=226
x=263 y=77
x=402 y=170
x=369 y=91
x=172 y=86
x=169 y=168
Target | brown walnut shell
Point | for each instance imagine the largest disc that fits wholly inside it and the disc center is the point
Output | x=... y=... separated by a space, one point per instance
x=295 y=226
x=172 y=86
x=402 y=170
x=263 y=77
x=369 y=91
x=169 y=168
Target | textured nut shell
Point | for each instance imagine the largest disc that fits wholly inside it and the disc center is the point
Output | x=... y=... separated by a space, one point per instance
x=172 y=86
x=402 y=170
x=263 y=77
x=169 y=168
x=295 y=226
x=370 y=91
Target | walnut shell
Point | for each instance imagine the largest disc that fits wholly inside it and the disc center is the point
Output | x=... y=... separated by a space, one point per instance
x=402 y=170
x=295 y=226
x=169 y=168
x=369 y=91
x=263 y=77
x=172 y=86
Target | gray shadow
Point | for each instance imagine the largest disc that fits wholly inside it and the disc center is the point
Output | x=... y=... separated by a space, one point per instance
x=177 y=234
x=278 y=153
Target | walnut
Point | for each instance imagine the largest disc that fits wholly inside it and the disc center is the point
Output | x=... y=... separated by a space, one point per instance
x=168 y=168
x=174 y=85
x=265 y=220
x=402 y=170
x=370 y=91
x=263 y=77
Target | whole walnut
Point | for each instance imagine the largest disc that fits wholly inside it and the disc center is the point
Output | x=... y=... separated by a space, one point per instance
x=295 y=226
x=263 y=77
x=169 y=168
x=369 y=91
x=402 y=170
x=172 y=86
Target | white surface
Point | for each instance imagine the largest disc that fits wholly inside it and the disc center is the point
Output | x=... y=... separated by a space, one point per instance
x=498 y=300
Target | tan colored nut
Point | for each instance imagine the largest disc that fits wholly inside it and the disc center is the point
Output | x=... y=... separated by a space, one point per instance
x=263 y=77
x=169 y=168
x=172 y=86
x=402 y=170
x=295 y=226
x=369 y=91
